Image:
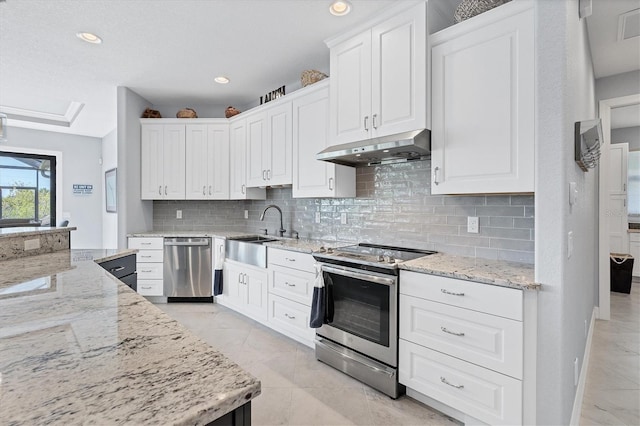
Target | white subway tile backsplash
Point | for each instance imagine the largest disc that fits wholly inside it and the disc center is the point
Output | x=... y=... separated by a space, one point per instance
x=393 y=206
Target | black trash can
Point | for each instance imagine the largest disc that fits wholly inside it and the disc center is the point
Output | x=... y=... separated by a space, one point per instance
x=621 y=272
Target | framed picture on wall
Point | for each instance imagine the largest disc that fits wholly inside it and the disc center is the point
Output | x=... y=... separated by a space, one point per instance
x=110 y=190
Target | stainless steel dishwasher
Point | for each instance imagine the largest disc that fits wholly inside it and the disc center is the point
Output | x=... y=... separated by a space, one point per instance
x=187 y=269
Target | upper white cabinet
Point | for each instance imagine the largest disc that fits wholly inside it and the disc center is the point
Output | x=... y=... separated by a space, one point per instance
x=270 y=146
x=483 y=103
x=163 y=162
x=207 y=161
x=311 y=177
x=238 y=160
x=379 y=79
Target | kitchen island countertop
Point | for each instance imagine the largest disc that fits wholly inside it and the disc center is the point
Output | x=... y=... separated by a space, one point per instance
x=78 y=346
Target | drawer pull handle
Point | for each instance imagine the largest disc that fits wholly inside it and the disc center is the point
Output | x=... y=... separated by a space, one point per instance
x=288 y=284
x=443 y=380
x=145 y=244
x=289 y=316
x=116 y=269
x=289 y=259
x=145 y=256
x=146 y=288
x=146 y=270
x=451 y=332
x=451 y=293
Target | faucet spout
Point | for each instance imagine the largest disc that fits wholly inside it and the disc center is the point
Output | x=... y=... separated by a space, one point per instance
x=281 y=231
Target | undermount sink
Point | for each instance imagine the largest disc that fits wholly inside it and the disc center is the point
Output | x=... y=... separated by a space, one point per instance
x=248 y=250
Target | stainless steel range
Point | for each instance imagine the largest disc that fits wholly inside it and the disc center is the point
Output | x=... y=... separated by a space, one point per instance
x=360 y=337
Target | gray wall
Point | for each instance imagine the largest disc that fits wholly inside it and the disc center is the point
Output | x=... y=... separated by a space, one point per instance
x=109 y=220
x=565 y=94
x=80 y=164
x=630 y=135
x=134 y=215
x=614 y=86
x=393 y=206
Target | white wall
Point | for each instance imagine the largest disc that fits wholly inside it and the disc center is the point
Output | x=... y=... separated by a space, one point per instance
x=81 y=156
x=109 y=220
x=618 y=85
x=134 y=215
x=631 y=135
x=565 y=94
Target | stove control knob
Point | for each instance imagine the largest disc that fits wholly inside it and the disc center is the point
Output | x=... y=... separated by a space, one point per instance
x=322 y=249
x=380 y=258
x=389 y=259
x=329 y=250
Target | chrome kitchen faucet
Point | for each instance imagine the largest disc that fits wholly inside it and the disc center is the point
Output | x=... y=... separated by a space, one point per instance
x=281 y=231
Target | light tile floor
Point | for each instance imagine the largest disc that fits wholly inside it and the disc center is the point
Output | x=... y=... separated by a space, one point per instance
x=296 y=388
x=612 y=394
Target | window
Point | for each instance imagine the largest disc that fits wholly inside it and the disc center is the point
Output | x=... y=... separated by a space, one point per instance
x=633 y=183
x=27 y=189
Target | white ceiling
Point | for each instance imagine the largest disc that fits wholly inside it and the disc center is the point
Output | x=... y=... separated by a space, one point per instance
x=168 y=51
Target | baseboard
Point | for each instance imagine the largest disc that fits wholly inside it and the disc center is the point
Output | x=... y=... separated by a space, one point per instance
x=582 y=381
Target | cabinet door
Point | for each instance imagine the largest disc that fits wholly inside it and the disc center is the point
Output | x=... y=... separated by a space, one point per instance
x=233 y=290
x=197 y=162
x=256 y=294
x=483 y=106
x=311 y=177
x=399 y=73
x=256 y=134
x=217 y=185
x=238 y=161
x=618 y=168
x=350 y=86
x=277 y=152
x=174 y=162
x=634 y=250
x=151 y=153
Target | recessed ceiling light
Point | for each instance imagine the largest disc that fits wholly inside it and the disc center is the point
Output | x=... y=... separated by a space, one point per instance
x=385 y=150
x=89 y=37
x=340 y=7
x=221 y=80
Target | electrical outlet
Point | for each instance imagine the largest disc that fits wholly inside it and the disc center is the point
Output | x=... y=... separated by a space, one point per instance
x=343 y=218
x=473 y=224
x=246 y=214
x=32 y=244
x=317 y=217
x=178 y=214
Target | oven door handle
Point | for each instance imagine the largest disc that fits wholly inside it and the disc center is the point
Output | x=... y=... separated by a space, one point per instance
x=371 y=277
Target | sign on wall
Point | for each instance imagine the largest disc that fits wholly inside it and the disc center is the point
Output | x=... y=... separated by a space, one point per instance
x=82 y=189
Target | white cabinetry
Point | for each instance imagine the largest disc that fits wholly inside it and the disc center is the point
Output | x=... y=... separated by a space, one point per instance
x=313 y=178
x=269 y=144
x=149 y=264
x=461 y=344
x=238 y=160
x=617 y=210
x=207 y=161
x=634 y=249
x=245 y=289
x=291 y=279
x=163 y=162
x=379 y=79
x=483 y=103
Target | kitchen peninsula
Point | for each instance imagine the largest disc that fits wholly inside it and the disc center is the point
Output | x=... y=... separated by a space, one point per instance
x=78 y=346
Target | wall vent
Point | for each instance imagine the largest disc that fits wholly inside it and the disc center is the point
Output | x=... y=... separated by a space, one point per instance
x=629 y=25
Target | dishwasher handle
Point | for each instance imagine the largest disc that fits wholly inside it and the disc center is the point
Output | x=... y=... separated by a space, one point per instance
x=204 y=242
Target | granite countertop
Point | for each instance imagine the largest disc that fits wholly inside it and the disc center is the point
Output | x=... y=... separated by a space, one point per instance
x=209 y=233
x=36 y=230
x=77 y=346
x=495 y=272
x=302 y=245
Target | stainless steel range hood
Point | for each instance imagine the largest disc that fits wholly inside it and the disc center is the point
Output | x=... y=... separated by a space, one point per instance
x=415 y=145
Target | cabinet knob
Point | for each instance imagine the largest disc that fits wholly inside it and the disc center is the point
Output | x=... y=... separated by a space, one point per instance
x=204 y=188
x=330 y=184
x=435 y=175
x=160 y=190
x=165 y=190
x=243 y=188
x=375 y=126
x=366 y=123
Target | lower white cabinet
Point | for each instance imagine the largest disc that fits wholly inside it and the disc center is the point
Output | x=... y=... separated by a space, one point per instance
x=149 y=264
x=245 y=289
x=462 y=345
x=290 y=317
x=634 y=249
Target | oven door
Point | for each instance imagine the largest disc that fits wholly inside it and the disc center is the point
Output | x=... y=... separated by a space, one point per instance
x=364 y=312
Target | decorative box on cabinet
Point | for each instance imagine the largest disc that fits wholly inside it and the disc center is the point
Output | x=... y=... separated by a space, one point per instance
x=149 y=264
x=291 y=279
x=313 y=178
x=162 y=165
x=461 y=344
x=207 y=161
x=483 y=103
x=238 y=159
x=379 y=78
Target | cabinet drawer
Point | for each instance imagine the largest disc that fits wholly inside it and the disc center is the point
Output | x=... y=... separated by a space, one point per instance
x=150 y=271
x=121 y=267
x=491 y=299
x=486 y=340
x=150 y=287
x=294 y=285
x=290 y=316
x=634 y=237
x=146 y=243
x=150 y=256
x=484 y=394
x=291 y=259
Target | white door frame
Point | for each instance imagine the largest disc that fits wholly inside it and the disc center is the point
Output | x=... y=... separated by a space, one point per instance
x=605 y=106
